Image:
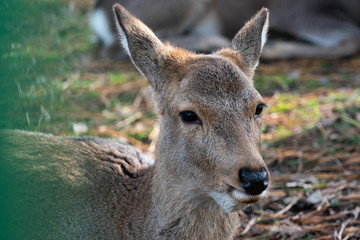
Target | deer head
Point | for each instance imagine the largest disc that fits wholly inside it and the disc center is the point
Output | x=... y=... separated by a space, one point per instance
x=209 y=112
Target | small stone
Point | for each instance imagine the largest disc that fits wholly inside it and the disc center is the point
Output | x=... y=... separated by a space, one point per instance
x=324 y=80
x=79 y=128
x=315 y=197
x=295 y=74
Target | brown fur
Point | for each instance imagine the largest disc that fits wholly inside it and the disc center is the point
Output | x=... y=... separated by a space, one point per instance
x=74 y=188
x=193 y=191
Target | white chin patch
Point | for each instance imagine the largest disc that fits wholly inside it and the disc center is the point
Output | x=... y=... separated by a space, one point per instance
x=226 y=202
x=244 y=197
x=235 y=201
x=239 y=195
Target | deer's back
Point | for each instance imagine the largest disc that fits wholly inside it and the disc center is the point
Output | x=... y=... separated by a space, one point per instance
x=72 y=188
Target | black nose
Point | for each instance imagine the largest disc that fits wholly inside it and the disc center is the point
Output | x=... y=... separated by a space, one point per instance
x=254 y=182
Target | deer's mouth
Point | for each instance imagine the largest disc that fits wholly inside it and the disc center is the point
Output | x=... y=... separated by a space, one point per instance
x=234 y=199
x=242 y=197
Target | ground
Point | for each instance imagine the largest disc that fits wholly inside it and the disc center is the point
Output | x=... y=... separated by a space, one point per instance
x=311 y=133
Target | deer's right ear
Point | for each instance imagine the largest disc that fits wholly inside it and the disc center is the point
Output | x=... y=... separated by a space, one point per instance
x=141 y=44
x=250 y=40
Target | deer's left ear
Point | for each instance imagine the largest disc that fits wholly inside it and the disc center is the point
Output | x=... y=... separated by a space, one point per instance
x=250 y=40
x=141 y=44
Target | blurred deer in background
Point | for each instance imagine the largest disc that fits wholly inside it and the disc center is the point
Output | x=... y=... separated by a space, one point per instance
x=325 y=28
x=208 y=163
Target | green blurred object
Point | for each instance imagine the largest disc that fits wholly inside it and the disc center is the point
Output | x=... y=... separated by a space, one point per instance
x=31 y=54
x=40 y=41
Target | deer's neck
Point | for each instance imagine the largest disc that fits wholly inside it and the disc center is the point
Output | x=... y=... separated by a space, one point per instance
x=180 y=212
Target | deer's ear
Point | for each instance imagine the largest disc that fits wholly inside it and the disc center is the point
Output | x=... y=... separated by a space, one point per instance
x=140 y=43
x=250 y=40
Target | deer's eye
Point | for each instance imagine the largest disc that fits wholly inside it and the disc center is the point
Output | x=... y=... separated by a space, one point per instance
x=259 y=109
x=189 y=117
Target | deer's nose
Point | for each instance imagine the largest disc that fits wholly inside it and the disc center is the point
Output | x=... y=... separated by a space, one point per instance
x=254 y=182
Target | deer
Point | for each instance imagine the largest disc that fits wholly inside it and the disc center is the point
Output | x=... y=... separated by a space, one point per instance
x=208 y=163
x=317 y=28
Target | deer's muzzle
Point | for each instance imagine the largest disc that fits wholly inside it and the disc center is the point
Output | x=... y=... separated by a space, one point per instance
x=254 y=182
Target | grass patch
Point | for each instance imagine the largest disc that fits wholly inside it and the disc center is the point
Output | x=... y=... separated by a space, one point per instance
x=328 y=116
x=141 y=136
x=42 y=40
x=116 y=78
